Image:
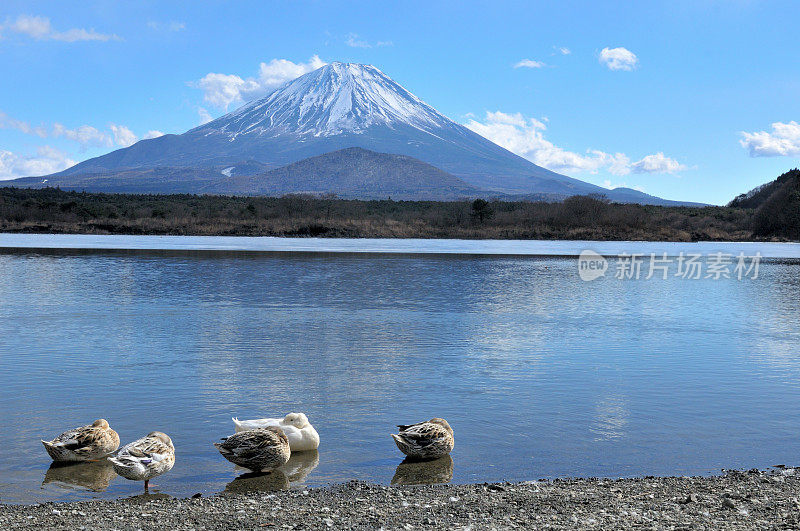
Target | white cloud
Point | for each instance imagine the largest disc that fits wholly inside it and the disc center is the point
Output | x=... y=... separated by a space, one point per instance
x=122 y=135
x=783 y=141
x=278 y=71
x=658 y=163
x=36 y=27
x=529 y=63
x=525 y=137
x=353 y=41
x=618 y=58
x=564 y=50
x=85 y=135
x=39 y=28
x=46 y=161
x=221 y=90
x=205 y=116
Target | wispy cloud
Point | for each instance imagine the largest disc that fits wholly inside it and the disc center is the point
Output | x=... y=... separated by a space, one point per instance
x=84 y=135
x=153 y=133
x=222 y=90
x=7 y=122
x=618 y=59
x=529 y=63
x=525 y=137
x=354 y=41
x=564 y=50
x=41 y=29
x=783 y=141
x=47 y=160
x=204 y=115
x=166 y=26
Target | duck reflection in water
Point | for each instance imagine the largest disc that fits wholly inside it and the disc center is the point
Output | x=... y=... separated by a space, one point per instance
x=300 y=465
x=258 y=482
x=415 y=472
x=150 y=495
x=94 y=476
x=295 y=470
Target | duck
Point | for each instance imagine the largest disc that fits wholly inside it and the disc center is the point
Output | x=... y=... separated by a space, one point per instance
x=431 y=439
x=86 y=443
x=301 y=434
x=145 y=458
x=259 y=450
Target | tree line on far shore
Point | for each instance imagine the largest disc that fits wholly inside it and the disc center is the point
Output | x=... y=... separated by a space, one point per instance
x=52 y=210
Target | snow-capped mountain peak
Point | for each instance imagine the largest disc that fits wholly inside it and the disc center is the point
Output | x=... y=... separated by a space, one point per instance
x=329 y=111
x=337 y=98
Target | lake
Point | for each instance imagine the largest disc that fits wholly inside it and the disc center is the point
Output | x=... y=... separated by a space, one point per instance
x=540 y=373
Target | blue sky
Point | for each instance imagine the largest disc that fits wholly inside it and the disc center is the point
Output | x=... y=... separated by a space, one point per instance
x=693 y=100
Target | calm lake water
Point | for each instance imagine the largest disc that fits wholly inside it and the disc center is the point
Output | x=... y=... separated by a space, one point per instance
x=540 y=373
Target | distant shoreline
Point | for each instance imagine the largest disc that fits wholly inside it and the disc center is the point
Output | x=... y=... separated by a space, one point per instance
x=53 y=211
x=735 y=500
x=166 y=245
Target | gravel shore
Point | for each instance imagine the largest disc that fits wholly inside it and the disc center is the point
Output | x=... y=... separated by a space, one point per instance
x=735 y=500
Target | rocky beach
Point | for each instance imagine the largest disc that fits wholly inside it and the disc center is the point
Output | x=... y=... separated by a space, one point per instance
x=752 y=499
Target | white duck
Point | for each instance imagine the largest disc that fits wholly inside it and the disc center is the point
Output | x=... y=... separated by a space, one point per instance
x=301 y=434
x=145 y=458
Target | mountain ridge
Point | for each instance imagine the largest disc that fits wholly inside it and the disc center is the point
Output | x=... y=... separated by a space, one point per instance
x=352 y=173
x=338 y=106
x=776 y=205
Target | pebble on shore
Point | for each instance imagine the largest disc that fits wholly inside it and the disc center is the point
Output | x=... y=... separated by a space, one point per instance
x=736 y=500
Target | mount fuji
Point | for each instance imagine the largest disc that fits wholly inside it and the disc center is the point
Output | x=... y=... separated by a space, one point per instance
x=338 y=106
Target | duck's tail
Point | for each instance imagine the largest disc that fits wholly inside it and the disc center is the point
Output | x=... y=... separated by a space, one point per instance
x=221 y=449
x=52 y=449
x=399 y=440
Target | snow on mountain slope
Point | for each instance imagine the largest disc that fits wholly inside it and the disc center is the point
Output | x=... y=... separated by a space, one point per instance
x=337 y=98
